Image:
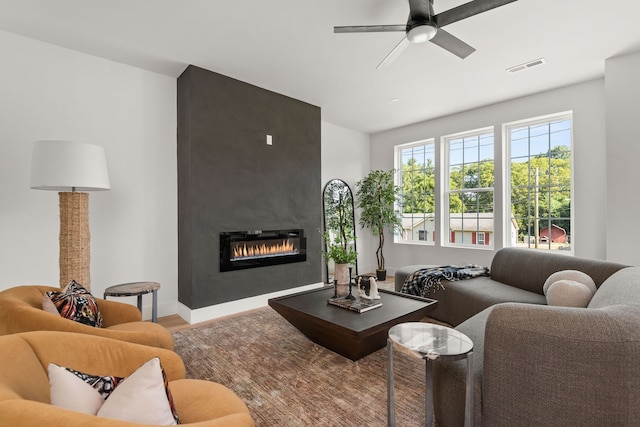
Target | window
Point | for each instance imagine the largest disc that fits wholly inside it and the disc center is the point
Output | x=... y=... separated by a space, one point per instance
x=416 y=179
x=469 y=190
x=536 y=175
x=540 y=188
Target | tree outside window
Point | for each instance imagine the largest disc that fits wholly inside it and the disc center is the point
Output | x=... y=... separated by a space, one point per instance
x=540 y=182
x=416 y=178
x=470 y=181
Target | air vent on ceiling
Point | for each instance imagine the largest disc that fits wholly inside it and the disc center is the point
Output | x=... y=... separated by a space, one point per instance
x=526 y=65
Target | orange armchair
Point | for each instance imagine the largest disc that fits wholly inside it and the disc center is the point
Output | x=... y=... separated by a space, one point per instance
x=25 y=391
x=21 y=311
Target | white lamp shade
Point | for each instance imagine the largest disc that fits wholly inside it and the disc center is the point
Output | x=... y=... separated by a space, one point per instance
x=69 y=166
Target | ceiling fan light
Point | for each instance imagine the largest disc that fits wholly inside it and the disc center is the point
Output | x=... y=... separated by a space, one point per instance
x=422 y=33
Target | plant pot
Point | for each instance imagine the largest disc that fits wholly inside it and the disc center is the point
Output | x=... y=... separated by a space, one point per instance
x=341 y=274
x=381 y=275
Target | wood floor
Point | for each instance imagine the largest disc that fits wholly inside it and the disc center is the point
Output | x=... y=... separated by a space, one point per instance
x=175 y=323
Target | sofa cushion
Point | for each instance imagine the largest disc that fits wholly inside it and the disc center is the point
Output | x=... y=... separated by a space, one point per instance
x=623 y=287
x=76 y=303
x=465 y=298
x=569 y=293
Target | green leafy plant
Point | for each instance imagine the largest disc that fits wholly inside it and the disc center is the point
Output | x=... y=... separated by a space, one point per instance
x=376 y=194
x=339 y=250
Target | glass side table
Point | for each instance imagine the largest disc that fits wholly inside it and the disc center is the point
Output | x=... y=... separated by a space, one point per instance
x=429 y=342
x=137 y=289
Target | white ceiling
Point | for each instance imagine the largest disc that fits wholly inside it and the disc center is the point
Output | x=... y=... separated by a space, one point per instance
x=288 y=46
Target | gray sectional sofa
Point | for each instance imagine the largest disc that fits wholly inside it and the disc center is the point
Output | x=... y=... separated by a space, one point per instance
x=536 y=364
x=517 y=275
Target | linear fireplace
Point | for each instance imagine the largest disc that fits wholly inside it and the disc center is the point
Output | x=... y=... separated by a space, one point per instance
x=251 y=249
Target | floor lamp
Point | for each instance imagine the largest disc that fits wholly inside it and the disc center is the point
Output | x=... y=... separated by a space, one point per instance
x=72 y=169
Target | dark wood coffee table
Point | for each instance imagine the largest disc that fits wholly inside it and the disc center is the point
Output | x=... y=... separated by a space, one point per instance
x=348 y=333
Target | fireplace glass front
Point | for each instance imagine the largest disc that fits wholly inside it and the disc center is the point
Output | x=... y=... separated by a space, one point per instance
x=252 y=249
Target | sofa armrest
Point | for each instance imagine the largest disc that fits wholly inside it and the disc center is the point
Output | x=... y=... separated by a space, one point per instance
x=16 y=318
x=402 y=273
x=114 y=313
x=561 y=366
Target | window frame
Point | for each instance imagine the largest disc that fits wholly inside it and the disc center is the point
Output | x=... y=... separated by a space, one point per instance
x=442 y=235
x=448 y=238
x=400 y=238
x=508 y=190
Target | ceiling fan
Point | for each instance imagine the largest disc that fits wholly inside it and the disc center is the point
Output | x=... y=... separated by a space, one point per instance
x=423 y=26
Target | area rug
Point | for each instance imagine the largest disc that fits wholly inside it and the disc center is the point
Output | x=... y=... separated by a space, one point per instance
x=287 y=380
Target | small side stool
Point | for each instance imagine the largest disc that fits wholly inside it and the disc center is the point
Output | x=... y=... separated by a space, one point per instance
x=429 y=342
x=136 y=289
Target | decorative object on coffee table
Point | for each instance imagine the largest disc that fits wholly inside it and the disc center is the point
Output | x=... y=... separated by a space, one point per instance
x=368 y=287
x=376 y=196
x=72 y=169
x=350 y=296
x=335 y=289
x=359 y=305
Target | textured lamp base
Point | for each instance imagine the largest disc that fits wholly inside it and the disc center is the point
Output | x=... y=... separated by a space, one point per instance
x=74 y=239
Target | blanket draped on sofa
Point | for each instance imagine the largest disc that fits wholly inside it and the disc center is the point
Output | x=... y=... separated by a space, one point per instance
x=427 y=280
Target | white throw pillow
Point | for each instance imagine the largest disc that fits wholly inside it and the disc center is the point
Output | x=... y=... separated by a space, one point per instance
x=569 y=293
x=141 y=398
x=71 y=392
x=574 y=275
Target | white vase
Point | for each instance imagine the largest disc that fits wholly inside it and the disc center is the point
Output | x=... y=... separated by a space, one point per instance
x=341 y=274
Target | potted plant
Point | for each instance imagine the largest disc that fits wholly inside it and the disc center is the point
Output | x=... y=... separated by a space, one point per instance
x=376 y=194
x=342 y=254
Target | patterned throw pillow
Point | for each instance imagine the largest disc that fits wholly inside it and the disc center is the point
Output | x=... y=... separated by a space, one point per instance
x=76 y=303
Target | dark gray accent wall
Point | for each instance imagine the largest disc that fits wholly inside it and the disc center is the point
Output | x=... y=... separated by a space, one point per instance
x=229 y=179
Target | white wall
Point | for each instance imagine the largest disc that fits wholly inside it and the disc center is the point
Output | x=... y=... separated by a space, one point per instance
x=345 y=156
x=589 y=150
x=54 y=93
x=623 y=157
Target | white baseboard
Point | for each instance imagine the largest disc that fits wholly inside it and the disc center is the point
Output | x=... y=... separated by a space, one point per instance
x=233 y=307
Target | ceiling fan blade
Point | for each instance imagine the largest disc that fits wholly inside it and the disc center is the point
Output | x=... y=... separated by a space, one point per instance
x=466 y=10
x=369 y=28
x=394 y=53
x=451 y=43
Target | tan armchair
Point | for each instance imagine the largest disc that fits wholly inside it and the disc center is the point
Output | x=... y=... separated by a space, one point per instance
x=21 y=311
x=24 y=384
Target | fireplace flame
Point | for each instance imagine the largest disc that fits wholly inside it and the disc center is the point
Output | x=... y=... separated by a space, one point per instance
x=256 y=250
